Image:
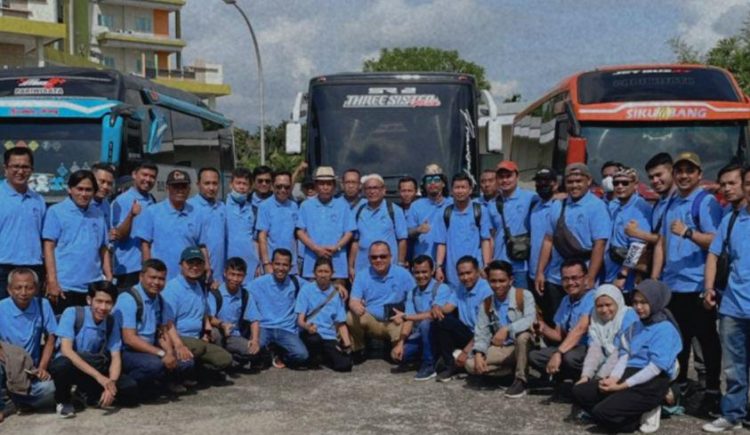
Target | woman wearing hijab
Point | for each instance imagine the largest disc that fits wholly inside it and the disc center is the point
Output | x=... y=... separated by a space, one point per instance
x=641 y=376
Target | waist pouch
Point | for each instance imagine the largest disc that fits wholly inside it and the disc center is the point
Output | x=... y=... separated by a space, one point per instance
x=518 y=247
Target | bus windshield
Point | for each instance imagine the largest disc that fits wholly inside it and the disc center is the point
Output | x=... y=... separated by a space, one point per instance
x=634 y=144
x=60 y=148
x=399 y=126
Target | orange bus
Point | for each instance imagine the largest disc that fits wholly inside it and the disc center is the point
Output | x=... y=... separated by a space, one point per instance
x=629 y=113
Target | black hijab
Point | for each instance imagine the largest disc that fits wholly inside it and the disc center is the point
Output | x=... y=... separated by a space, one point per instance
x=658 y=296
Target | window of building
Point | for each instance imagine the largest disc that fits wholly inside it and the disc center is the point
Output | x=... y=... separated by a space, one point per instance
x=105 y=20
x=108 y=61
x=144 y=24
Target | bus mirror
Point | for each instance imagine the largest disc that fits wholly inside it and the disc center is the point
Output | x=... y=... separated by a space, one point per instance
x=494 y=135
x=576 y=149
x=293 y=138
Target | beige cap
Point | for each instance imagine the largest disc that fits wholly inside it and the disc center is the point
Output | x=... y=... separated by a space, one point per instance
x=324 y=173
x=688 y=156
x=433 y=169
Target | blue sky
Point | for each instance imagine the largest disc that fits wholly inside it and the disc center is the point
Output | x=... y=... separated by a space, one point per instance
x=525 y=46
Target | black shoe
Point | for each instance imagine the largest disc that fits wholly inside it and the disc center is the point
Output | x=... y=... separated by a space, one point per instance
x=518 y=389
x=447 y=374
x=710 y=405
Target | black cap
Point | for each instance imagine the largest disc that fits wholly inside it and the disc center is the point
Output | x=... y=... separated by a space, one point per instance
x=178 y=176
x=545 y=173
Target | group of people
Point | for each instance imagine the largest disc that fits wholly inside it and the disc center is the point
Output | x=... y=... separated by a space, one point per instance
x=135 y=298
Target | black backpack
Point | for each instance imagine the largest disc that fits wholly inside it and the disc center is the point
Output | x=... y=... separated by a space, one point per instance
x=388 y=205
x=139 y=306
x=80 y=317
x=477 y=215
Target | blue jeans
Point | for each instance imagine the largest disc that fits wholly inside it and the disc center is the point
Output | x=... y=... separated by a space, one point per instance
x=145 y=367
x=421 y=345
x=734 y=334
x=295 y=350
x=41 y=393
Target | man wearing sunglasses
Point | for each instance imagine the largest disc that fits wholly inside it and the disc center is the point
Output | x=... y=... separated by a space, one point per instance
x=262 y=182
x=426 y=212
x=277 y=220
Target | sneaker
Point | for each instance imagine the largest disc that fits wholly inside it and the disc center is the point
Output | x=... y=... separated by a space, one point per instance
x=277 y=362
x=650 y=420
x=447 y=374
x=425 y=373
x=65 y=410
x=189 y=383
x=176 y=388
x=710 y=405
x=516 y=390
x=721 y=424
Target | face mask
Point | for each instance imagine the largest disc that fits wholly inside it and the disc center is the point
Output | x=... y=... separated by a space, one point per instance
x=607 y=185
x=545 y=192
x=240 y=198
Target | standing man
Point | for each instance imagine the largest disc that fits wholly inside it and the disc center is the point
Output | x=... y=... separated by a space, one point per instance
x=241 y=222
x=262 y=181
x=407 y=193
x=690 y=223
x=20 y=217
x=351 y=184
x=105 y=180
x=325 y=226
x=171 y=226
x=608 y=170
x=659 y=169
x=377 y=219
x=488 y=186
x=731 y=189
x=545 y=181
x=277 y=222
x=509 y=215
x=125 y=208
x=212 y=217
x=427 y=212
x=463 y=230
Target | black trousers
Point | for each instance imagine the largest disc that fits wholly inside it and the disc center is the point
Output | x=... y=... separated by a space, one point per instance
x=448 y=335
x=72 y=299
x=550 y=301
x=695 y=321
x=621 y=411
x=326 y=351
x=572 y=361
x=65 y=375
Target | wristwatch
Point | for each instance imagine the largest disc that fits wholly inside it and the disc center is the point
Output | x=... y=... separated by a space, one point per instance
x=688 y=234
x=161 y=353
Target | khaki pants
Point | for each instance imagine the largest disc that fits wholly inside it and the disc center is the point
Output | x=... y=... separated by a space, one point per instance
x=501 y=360
x=368 y=326
x=209 y=355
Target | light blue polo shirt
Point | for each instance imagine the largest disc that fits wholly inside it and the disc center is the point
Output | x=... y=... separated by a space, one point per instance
x=21 y=217
x=105 y=209
x=426 y=210
x=516 y=209
x=588 y=219
x=231 y=308
x=186 y=302
x=375 y=224
x=279 y=220
x=256 y=200
x=469 y=301
x=170 y=231
x=659 y=209
x=658 y=343
x=636 y=209
x=24 y=328
x=486 y=202
x=275 y=302
x=375 y=291
x=240 y=235
x=213 y=216
x=78 y=235
x=684 y=260
x=333 y=313
x=420 y=300
x=128 y=250
x=735 y=300
x=538 y=223
x=570 y=312
x=462 y=237
x=92 y=336
x=326 y=224
x=126 y=308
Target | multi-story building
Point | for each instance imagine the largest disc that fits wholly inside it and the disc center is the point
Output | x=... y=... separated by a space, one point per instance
x=27 y=27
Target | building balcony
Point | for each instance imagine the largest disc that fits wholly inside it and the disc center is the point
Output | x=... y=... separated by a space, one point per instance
x=46 y=30
x=163 y=5
x=204 y=81
x=141 y=41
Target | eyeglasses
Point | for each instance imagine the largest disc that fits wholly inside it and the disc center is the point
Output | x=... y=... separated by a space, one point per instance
x=263 y=181
x=573 y=278
x=282 y=187
x=19 y=167
x=621 y=183
x=433 y=179
x=379 y=257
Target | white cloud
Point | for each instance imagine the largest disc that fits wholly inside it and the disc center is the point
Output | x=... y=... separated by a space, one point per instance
x=504 y=89
x=705 y=21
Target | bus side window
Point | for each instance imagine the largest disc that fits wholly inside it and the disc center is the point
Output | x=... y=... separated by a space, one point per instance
x=560 y=151
x=132 y=141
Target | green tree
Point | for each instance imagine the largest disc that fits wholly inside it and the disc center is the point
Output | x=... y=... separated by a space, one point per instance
x=247 y=147
x=425 y=59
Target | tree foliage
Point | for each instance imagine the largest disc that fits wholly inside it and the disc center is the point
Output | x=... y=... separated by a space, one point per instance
x=247 y=147
x=414 y=59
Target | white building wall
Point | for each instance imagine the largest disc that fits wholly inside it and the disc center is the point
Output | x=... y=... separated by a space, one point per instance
x=42 y=10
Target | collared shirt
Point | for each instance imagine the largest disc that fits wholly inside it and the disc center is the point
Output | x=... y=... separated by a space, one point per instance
x=152 y=317
x=636 y=209
x=213 y=217
x=240 y=236
x=486 y=202
x=170 y=231
x=426 y=210
x=516 y=211
x=256 y=200
x=375 y=224
x=658 y=343
x=659 y=209
x=469 y=301
x=275 y=302
x=326 y=224
x=24 y=328
x=684 y=260
x=569 y=313
x=186 y=301
x=376 y=291
x=92 y=335
x=588 y=219
x=332 y=314
x=421 y=300
x=128 y=250
x=21 y=217
x=538 y=225
x=231 y=308
x=735 y=300
x=105 y=209
x=279 y=220
x=462 y=237
x=78 y=235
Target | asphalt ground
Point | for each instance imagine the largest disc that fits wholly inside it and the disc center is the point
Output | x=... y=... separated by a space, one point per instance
x=370 y=400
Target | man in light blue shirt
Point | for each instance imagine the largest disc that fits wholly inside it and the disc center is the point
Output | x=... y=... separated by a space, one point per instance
x=212 y=216
x=488 y=187
x=241 y=222
x=105 y=181
x=277 y=222
x=427 y=212
x=545 y=181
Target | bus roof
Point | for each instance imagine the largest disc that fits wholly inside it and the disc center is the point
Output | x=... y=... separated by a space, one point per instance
x=392 y=77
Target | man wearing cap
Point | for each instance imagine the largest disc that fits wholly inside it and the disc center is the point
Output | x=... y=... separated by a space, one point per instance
x=581 y=226
x=212 y=215
x=690 y=223
x=488 y=187
x=170 y=226
x=426 y=212
x=509 y=215
x=545 y=181
x=325 y=226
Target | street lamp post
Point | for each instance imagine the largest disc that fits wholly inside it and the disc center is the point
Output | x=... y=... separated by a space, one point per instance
x=260 y=81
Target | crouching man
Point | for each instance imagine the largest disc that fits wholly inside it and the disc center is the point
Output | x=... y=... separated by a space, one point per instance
x=502 y=335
